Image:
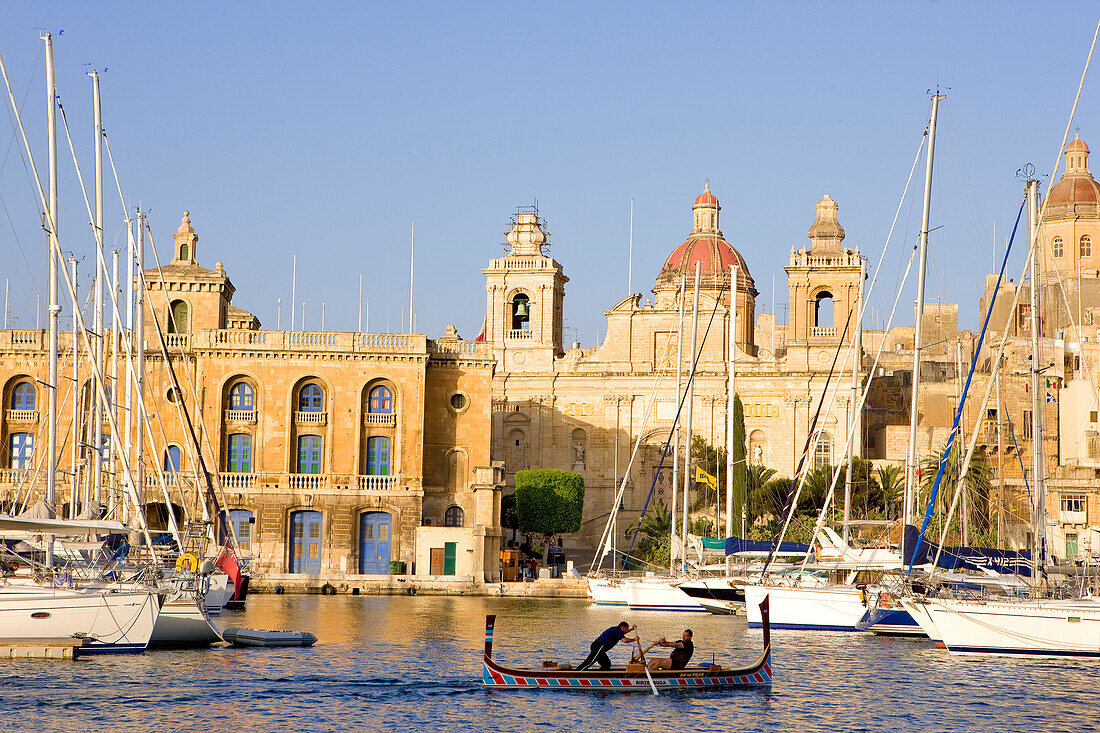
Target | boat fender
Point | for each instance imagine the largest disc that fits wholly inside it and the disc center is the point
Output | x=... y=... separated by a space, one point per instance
x=714 y=668
x=188 y=561
x=328 y=589
x=279 y=590
x=208 y=567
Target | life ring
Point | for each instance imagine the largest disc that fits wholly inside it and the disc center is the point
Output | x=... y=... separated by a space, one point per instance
x=187 y=561
x=328 y=589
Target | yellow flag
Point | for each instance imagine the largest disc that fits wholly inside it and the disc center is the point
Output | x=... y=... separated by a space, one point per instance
x=702 y=476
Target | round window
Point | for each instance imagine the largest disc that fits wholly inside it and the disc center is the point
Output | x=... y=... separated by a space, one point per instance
x=173 y=395
x=459 y=402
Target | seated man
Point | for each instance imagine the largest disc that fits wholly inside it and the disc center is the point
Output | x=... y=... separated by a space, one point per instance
x=679 y=658
x=604 y=643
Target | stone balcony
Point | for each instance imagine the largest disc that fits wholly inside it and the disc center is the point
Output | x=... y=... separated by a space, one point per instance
x=823 y=332
x=310 y=418
x=385 y=420
x=22 y=416
x=240 y=416
x=521 y=334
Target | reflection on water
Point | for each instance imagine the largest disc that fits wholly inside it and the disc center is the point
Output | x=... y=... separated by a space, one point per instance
x=413 y=663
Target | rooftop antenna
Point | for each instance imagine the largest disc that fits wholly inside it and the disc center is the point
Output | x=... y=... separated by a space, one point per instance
x=412 y=246
x=293 y=286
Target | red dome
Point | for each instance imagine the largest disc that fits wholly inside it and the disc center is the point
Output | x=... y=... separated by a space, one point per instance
x=706 y=198
x=1074 y=190
x=714 y=255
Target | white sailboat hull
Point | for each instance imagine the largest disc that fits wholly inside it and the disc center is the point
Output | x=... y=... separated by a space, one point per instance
x=605 y=592
x=117 y=621
x=658 y=594
x=829 y=608
x=183 y=623
x=1020 y=628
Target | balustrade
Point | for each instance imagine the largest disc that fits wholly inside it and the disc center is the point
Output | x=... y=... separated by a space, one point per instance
x=377 y=483
x=238 y=480
x=311 y=418
x=240 y=416
x=386 y=420
x=523 y=334
x=27 y=416
x=307 y=480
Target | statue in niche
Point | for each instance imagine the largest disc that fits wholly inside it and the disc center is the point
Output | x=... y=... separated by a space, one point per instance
x=578 y=457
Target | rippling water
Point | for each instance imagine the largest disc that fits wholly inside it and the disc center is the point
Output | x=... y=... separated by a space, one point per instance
x=413 y=663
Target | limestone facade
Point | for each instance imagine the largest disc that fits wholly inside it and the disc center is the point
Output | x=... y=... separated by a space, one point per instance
x=333 y=453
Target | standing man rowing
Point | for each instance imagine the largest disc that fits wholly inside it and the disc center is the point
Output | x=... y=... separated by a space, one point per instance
x=605 y=642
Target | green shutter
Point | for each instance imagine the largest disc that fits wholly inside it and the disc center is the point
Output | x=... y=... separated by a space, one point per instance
x=449 y=550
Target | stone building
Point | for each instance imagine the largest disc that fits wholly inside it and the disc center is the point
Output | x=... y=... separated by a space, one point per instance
x=583 y=409
x=336 y=453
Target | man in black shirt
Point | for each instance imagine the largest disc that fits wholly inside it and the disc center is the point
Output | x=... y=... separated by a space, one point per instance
x=604 y=643
x=682 y=651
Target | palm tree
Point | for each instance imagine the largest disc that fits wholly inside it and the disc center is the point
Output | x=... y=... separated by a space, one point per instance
x=657 y=522
x=891 y=480
x=978 y=484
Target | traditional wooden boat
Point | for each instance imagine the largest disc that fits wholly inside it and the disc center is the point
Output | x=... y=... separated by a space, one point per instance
x=632 y=678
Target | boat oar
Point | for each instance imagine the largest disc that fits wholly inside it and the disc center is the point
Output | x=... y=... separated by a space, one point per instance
x=645 y=666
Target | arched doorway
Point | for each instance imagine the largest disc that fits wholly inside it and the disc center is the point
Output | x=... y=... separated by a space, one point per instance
x=305 y=542
x=374 y=543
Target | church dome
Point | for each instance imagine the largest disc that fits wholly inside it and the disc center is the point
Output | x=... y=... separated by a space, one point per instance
x=1077 y=186
x=707 y=247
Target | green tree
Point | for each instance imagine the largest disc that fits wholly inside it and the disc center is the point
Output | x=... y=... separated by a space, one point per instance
x=740 y=465
x=891 y=480
x=549 y=501
x=978 y=486
x=654 y=528
x=756 y=478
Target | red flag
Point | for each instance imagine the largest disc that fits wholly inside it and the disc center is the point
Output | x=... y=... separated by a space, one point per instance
x=227 y=561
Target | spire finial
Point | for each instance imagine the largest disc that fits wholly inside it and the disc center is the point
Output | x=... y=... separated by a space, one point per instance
x=707 y=186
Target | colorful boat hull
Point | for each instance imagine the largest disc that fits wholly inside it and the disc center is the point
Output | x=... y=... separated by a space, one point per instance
x=757 y=674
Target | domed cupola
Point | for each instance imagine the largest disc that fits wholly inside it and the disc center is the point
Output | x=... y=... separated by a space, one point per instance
x=706 y=246
x=1077 y=193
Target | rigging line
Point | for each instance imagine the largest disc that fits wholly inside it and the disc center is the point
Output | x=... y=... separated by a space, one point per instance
x=3 y=165
x=55 y=251
x=23 y=106
x=967 y=186
x=691 y=378
x=965 y=466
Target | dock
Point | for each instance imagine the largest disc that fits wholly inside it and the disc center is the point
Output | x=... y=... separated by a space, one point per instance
x=42 y=648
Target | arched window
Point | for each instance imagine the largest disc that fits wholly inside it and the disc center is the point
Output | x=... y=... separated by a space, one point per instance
x=24 y=397
x=184 y=251
x=311 y=398
x=22 y=450
x=378 y=456
x=1056 y=247
x=823 y=309
x=239 y=459
x=242 y=520
x=380 y=400
x=178 y=322
x=456 y=470
x=1086 y=246
x=454 y=517
x=823 y=454
x=172 y=459
x=242 y=397
x=521 y=312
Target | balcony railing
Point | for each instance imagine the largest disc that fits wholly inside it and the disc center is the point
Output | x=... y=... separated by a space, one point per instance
x=29 y=416
x=460 y=348
x=15 y=475
x=22 y=340
x=179 y=340
x=311 y=418
x=377 y=483
x=823 y=331
x=230 y=338
x=238 y=480
x=307 y=480
x=386 y=420
x=240 y=416
x=523 y=334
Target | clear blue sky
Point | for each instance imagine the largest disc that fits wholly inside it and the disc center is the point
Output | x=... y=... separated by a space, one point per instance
x=324 y=129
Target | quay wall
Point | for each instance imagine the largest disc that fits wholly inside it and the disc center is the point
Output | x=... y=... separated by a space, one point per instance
x=435 y=585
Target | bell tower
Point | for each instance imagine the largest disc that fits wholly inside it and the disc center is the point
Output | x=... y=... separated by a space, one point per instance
x=823 y=284
x=525 y=292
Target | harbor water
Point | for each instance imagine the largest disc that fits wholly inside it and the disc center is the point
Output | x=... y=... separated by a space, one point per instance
x=414 y=664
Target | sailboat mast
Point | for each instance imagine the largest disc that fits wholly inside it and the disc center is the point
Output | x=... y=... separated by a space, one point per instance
x=853 y=404
x=676 y=429
x=1038 y=485
x=690 y=399
x=731 y=418
x=78 y=399
x=911 y=455
x=116 y=344
x=55 y=307
x=98 y=336
x=139 y=364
